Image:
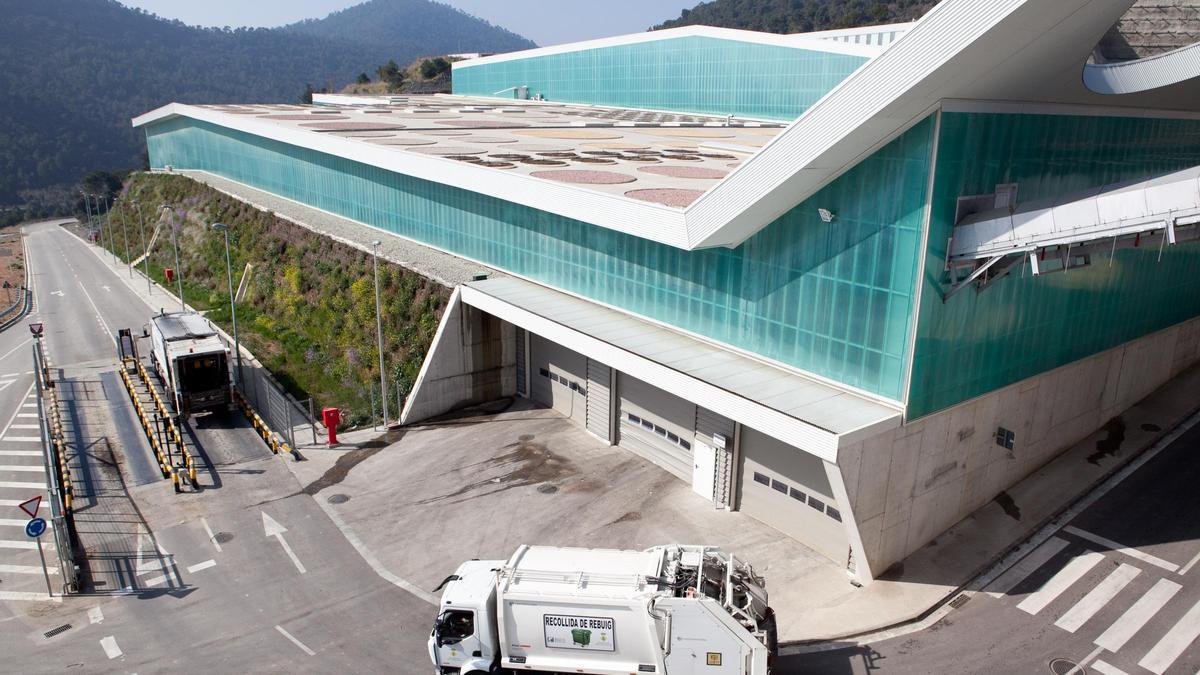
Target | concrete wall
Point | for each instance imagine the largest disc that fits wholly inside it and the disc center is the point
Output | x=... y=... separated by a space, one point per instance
x=911 y=484
x=472 y=360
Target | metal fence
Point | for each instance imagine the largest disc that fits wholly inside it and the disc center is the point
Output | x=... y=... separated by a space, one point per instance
x=280 y=409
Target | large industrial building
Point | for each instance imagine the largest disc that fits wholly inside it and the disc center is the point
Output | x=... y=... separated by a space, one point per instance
x=853 y=284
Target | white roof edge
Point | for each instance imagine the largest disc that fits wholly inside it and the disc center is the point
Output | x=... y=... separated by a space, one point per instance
x=859 y=30
x=795 y=41
x=872 y=106
x=646 y=220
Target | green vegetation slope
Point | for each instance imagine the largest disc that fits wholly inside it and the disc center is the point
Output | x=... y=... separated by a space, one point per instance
x=798 y=16
x=309 y=312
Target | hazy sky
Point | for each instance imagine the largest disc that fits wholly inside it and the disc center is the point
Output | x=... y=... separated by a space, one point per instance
x=546 y=22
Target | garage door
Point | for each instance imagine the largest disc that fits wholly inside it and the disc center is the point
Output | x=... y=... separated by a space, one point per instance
x=558 y=378
x=657 y=425
x=787 y=489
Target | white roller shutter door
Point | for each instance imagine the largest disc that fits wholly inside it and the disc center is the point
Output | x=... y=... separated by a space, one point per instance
x=657 y=425
x=558 y=378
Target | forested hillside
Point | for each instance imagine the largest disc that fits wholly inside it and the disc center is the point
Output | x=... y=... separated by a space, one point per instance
x=76 y=71
x=798 y=16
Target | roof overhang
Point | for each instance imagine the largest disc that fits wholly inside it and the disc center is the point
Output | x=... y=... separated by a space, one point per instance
x=804 y=411
x=1031 y=51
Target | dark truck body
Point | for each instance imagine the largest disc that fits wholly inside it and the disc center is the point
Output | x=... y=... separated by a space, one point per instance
x=192 y=362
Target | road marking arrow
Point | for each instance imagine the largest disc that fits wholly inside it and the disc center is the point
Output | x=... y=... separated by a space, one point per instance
x=58 y=293
x=107 y=288
x=272 y=528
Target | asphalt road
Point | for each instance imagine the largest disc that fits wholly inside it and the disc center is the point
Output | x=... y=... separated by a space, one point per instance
x=247 y=575
x=1116 y=590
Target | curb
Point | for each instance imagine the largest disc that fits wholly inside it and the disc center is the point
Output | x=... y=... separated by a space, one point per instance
x=980 y=574
x=28 y=292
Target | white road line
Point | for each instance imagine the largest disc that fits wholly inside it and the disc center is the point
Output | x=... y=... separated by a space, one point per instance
x=25 y=426
x=110 y=647
x=14 y=522
x=211 y=537
x=1114 y=546
x=99 y=315
x=27 y=439
x=95 y=615
x=19 y=468
x=28 y=405
x=9 y=353
x=1162 y=655
x=20 y=453
x=1105 y=668
x=25 y=544
x=1188 y=568
x=1097 y=598
x=27 y=414
x=22 y=485
x=1028 y=565
x=14 y=415
x=1068 y=575
x=26 y=569
x=23 y=595
x=155 y=581
x=15 y=502
x=370 y=558
x=296 y=642
x=192 y=569
x=1138 y=615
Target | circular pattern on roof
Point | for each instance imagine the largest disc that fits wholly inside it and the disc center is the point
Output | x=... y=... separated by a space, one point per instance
x=592 y=134
x=492 y=139
x=362 y=134
x=353 y=126
x=539 y=147
x=307 y=118
x=689 y=132
x=403 y=141
x=483 y=124
x=685 y=172
x=448 y=150
x=585 y=176
x=733 y=165
x=446 y=133
x=677 y=197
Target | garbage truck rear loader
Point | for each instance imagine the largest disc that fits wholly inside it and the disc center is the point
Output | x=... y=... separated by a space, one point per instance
x=669 y=609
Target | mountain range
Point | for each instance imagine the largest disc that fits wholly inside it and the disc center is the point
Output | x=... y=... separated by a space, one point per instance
x=74 y=72
x=799 y=16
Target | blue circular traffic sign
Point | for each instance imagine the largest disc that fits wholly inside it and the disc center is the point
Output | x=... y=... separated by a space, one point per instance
x=36 y=527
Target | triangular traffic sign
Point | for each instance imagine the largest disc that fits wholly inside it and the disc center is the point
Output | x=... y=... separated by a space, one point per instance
x=31 y=506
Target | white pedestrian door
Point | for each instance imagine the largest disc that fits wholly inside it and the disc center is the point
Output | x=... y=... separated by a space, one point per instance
x=704 y=469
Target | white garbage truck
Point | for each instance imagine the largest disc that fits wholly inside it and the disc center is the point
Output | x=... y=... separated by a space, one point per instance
x=192 y=362
x=679 y=610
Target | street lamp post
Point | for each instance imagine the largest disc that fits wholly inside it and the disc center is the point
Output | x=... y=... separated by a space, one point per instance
x=87 y=204
x=112 y=242
x=237 y=347
x=125 y=236
x=178 y=271
x=145 y=249
x=379 y=331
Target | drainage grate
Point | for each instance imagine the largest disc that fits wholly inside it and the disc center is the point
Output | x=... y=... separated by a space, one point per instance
x=959 y=601
x=338 y=498
x=56 y=631
x=547 y=489
x=1064 y=666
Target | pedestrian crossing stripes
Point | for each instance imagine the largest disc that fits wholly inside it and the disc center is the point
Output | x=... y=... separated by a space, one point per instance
x=1061 y=569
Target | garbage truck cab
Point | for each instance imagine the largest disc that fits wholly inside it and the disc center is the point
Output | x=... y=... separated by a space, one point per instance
x=465 y=637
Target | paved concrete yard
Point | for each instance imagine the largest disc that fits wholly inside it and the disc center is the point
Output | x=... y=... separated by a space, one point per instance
x=479 y=486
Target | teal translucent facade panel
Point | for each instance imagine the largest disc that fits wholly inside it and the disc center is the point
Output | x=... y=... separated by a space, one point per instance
x=687 y=74
x=831 y=298
x=1024 y=325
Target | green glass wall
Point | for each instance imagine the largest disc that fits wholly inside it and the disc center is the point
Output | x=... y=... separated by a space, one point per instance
x=1025 y=325
x=686 y=74
x=831 y=298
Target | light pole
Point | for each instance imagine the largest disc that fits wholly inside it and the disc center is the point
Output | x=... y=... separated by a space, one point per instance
x=125 y=235
x=145 y=249
x=379 y=331
x=87 y=204
x=112 y=242
x=175 y=244
x=237 y=347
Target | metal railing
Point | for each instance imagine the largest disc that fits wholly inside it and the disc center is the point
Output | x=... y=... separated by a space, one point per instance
x=58 y=473
x=160 y=427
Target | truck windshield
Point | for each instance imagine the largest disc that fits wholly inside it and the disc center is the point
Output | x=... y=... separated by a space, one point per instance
x=457 y=624
x=205 y=372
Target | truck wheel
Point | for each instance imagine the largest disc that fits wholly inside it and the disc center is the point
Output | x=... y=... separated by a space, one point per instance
x=772 y=633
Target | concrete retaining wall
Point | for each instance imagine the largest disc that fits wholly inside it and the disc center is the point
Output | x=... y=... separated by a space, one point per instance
x=911 y=484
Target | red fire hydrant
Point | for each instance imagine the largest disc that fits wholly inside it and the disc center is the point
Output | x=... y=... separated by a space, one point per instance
x=331 y=417
x=169 y=273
